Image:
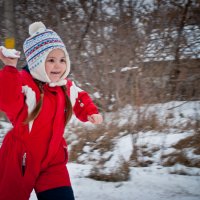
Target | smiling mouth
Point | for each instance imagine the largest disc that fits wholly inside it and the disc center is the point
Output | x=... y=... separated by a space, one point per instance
x=55 y=73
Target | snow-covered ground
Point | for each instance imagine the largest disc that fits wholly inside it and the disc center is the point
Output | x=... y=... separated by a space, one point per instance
x=152 y=183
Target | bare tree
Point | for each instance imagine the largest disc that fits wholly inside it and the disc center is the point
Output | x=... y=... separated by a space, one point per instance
x=121 y=50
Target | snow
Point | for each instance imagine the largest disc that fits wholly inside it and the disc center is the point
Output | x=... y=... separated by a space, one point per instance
x=154 y=182
x=157 y=49
x=145 y=184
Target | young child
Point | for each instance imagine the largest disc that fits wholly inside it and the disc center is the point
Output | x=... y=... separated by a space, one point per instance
x=39 y=101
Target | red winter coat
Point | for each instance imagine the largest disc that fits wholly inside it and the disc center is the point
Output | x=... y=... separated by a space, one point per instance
x=35 y=155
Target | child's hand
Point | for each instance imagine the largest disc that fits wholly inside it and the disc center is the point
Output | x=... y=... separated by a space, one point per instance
x=95 y=118
x=7 y=56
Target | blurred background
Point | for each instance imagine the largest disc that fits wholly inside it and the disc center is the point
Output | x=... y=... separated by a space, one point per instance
x=124 y=51
x=127 y=54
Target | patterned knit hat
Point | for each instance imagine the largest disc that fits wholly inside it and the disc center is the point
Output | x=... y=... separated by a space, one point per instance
x=37 y=47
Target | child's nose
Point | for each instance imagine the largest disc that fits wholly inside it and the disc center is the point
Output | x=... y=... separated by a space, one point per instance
x=56 y=65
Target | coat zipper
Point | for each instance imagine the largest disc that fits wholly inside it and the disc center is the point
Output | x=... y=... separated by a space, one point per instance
x=24 y=163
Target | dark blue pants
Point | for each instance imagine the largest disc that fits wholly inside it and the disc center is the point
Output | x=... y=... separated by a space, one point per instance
x=61 y=193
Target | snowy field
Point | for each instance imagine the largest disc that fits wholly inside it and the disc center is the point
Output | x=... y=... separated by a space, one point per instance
x=145 y=184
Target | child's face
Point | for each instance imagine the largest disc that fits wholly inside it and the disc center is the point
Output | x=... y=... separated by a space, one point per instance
x=55 y=64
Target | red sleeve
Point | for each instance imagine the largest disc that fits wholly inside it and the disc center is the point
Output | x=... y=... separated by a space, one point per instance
x=82 y=103
x=84 y=106
x=11 y=97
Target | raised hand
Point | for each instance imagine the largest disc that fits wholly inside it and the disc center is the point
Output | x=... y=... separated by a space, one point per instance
x=95 y=118
x=9 y=56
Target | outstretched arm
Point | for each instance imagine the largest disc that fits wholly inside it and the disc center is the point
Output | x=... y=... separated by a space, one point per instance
x=83 y=106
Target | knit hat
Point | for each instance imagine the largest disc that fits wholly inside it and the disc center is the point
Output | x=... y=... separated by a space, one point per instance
x=37 y=47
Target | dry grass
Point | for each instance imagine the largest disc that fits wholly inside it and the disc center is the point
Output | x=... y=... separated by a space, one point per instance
x=140 y=152
x=190 y=142
x=76 y=150
x=102 y=140
x=121 y=173
x=149 y=122
x=173 y=158
x=181 y=158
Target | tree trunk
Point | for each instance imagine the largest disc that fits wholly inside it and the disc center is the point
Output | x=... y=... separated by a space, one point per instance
x=176 y=69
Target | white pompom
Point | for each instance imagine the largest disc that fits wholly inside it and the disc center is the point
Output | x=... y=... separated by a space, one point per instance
x=35 y=27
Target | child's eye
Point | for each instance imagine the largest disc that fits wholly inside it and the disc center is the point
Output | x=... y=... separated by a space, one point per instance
x=63 y=60
x=51 y=60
